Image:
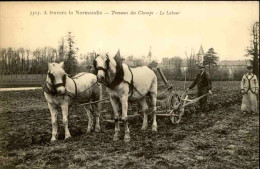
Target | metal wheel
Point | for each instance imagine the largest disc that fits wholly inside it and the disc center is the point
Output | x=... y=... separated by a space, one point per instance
x=174 y=119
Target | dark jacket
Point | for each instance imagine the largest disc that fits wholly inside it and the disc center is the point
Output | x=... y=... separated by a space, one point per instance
x=201 y=80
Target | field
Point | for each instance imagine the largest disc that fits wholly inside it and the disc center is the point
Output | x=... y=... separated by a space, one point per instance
x=22 y=80
x=223 y=137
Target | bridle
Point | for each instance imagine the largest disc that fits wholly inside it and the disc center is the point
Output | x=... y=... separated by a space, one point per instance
x=55 y=86
x=107 y=77
x=119 y=74
x=99 y=67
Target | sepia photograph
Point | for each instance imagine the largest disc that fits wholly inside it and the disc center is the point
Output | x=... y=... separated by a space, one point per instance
x=129 y=84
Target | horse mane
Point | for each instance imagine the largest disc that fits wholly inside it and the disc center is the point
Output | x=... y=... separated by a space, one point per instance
x=119 y=76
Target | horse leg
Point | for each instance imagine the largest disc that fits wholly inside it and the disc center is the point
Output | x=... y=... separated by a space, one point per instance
x=53 y=122
x=98 y=109
x=144 y=110
x=153 y=98
x=124 y=102
x=115 y=106
x=97 y=113
x=65 y=108
x=90 y=119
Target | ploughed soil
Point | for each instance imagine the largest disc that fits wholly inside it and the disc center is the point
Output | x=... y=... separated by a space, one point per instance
x=223 y=137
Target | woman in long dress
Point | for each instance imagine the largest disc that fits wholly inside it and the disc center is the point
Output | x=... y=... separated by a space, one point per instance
x=249 y=90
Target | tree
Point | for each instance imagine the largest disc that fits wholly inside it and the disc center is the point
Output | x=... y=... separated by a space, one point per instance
x=36 y=61
x=21 y=50
x=61 y=50
x=71 y=63
x=191 y=64
x=253 y=49
x=3 y=61
x=177 y=61
x=9 y=60
x=210 y=58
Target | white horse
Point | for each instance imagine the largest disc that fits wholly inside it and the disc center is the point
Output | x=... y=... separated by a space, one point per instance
x=60 y=90
x=123 y=84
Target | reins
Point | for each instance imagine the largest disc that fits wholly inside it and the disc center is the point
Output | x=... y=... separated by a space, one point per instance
x=131 y=85
x=53 y=90
x=118 y=78
x=76 y=93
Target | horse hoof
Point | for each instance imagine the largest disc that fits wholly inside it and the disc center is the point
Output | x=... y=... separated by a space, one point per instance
x=97 y=129
x=154 y=128
x=115 y=138
x=127 y=139
x=89 y=130
x=53 y=140
x=144 y=128
x=68 y=136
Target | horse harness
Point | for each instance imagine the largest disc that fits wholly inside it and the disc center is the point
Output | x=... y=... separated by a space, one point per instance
x=119 y=76
x=53 y=87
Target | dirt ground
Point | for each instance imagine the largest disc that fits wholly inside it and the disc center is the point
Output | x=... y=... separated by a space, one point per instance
x=221 y=138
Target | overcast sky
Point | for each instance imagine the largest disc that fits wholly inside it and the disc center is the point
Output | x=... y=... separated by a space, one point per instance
x=221 y=25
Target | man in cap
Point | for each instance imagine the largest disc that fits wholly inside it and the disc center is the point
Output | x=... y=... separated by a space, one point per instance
x=249 y=90
x=203 y=83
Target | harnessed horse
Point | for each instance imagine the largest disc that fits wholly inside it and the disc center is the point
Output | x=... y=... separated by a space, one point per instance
x=125 y=84
x=60 y=90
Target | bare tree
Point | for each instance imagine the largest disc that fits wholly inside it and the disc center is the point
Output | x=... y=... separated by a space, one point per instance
x=27 y=61
x=3 y=61
x=61 y=50
x=22 y=60
x=177 y=61
x=253 y=49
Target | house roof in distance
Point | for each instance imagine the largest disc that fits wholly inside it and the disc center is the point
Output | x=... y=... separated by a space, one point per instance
x=233 y=63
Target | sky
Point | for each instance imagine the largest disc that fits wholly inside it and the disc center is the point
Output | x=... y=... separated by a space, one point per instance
x=224 y=26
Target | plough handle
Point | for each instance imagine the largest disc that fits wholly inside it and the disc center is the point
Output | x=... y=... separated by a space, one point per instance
x=162 y=76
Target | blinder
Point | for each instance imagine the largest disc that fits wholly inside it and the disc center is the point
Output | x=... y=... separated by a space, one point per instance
x=99 y=67
x=51 y=76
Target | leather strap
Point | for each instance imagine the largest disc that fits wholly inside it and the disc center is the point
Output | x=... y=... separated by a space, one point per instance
x=131 y=85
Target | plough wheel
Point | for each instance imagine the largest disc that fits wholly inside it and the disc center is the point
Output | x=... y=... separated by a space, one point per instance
x=174 y=119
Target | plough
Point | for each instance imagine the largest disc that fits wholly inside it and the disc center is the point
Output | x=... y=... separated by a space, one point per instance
x=172 y=106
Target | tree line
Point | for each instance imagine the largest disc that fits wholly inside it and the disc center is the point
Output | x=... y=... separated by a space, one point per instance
x=25 y=61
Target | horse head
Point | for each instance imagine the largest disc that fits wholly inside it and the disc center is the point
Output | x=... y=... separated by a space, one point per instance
x=107 y=68
x=57 y=77
x=101 y=65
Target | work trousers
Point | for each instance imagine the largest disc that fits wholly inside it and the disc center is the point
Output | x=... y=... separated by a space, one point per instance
x=203 y=101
